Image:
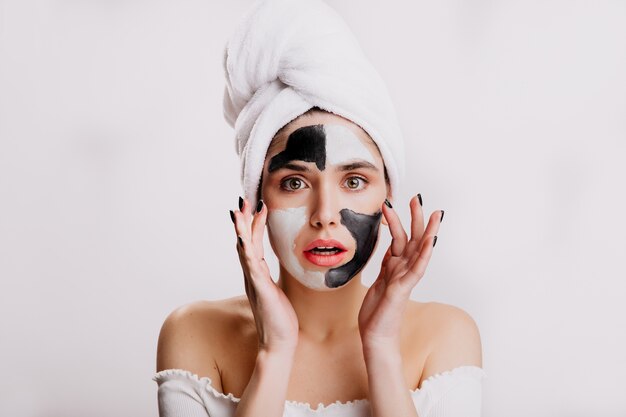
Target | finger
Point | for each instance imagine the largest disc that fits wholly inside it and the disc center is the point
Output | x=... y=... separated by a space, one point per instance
x=416 y=263
x=418 y=268
x=417 y=219
x=243 y=218
x=258 y=228
x=242 y=258
x=255 y=267
x=246 y=210
x=431 y=229
x=247 y=258
x=398 y=235
x=241 y=228
x=384 y=263
x=434 y=221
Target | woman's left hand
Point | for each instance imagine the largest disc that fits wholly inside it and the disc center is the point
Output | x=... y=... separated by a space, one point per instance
x=404 y=264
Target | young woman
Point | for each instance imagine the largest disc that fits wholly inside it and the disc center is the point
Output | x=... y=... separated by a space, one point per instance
x=308 y=339
x=322 y=182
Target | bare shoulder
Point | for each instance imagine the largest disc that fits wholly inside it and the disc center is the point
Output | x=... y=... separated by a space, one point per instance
x=453 y=334
x=193 y=336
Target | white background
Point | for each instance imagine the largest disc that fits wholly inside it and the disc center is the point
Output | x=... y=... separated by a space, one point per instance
x=117 y=171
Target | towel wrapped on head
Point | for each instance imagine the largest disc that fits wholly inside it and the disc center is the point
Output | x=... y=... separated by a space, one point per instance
x=287 y=56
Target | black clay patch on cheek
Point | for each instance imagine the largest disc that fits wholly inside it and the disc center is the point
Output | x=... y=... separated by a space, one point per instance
x=364 y=229
x=306 y=144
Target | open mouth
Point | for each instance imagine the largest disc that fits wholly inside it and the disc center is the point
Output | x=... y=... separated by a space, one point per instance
x=325 y=252
x=324 y=256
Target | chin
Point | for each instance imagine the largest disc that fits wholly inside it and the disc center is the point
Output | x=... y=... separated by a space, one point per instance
x=324 y=288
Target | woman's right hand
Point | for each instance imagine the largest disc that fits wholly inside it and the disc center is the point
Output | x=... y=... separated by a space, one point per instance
x=275 y=318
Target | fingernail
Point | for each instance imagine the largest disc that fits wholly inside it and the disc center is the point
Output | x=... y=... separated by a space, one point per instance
x=240 y=241
x=232 y=216
x=434 y=241
x=259 y=206
x=388 y=204
x=240 y=203
x=441 y=216
x=419 y=197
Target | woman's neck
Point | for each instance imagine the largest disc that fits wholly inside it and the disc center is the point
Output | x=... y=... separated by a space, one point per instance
x=324 y=315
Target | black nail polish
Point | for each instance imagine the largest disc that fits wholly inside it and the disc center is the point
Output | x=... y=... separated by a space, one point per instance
x=434 y=241
x=240 y=241
x=240 y=203
x=259 y=206
x=419 y=197
x=232 y=216
x=388 y=204
x=441 y=216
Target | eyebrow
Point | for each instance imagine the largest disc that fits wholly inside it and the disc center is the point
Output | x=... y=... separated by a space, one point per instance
x=294 y=167
x=346 y=167
x=358 y=165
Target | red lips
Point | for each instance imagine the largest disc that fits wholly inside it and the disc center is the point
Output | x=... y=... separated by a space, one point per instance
x=329 y=243
x=325 y=259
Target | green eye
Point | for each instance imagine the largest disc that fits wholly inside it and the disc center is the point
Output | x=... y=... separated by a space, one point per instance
x=293 y=184
x=354 y=183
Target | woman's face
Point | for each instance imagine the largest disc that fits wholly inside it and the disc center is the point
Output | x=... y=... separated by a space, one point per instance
x=323 y=184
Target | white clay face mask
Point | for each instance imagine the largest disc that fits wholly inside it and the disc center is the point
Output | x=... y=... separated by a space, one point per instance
x=326 y=146
x=285 y=226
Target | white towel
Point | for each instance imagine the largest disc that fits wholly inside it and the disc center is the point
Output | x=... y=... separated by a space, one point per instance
x=286 y=56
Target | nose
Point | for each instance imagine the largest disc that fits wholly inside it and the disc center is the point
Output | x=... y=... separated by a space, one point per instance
x=324 y=208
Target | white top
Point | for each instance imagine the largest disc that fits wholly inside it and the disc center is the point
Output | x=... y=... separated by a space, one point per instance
x=454 y=393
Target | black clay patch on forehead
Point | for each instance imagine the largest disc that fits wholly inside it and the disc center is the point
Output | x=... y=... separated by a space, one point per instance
x=306 y=144
x=364 y=229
